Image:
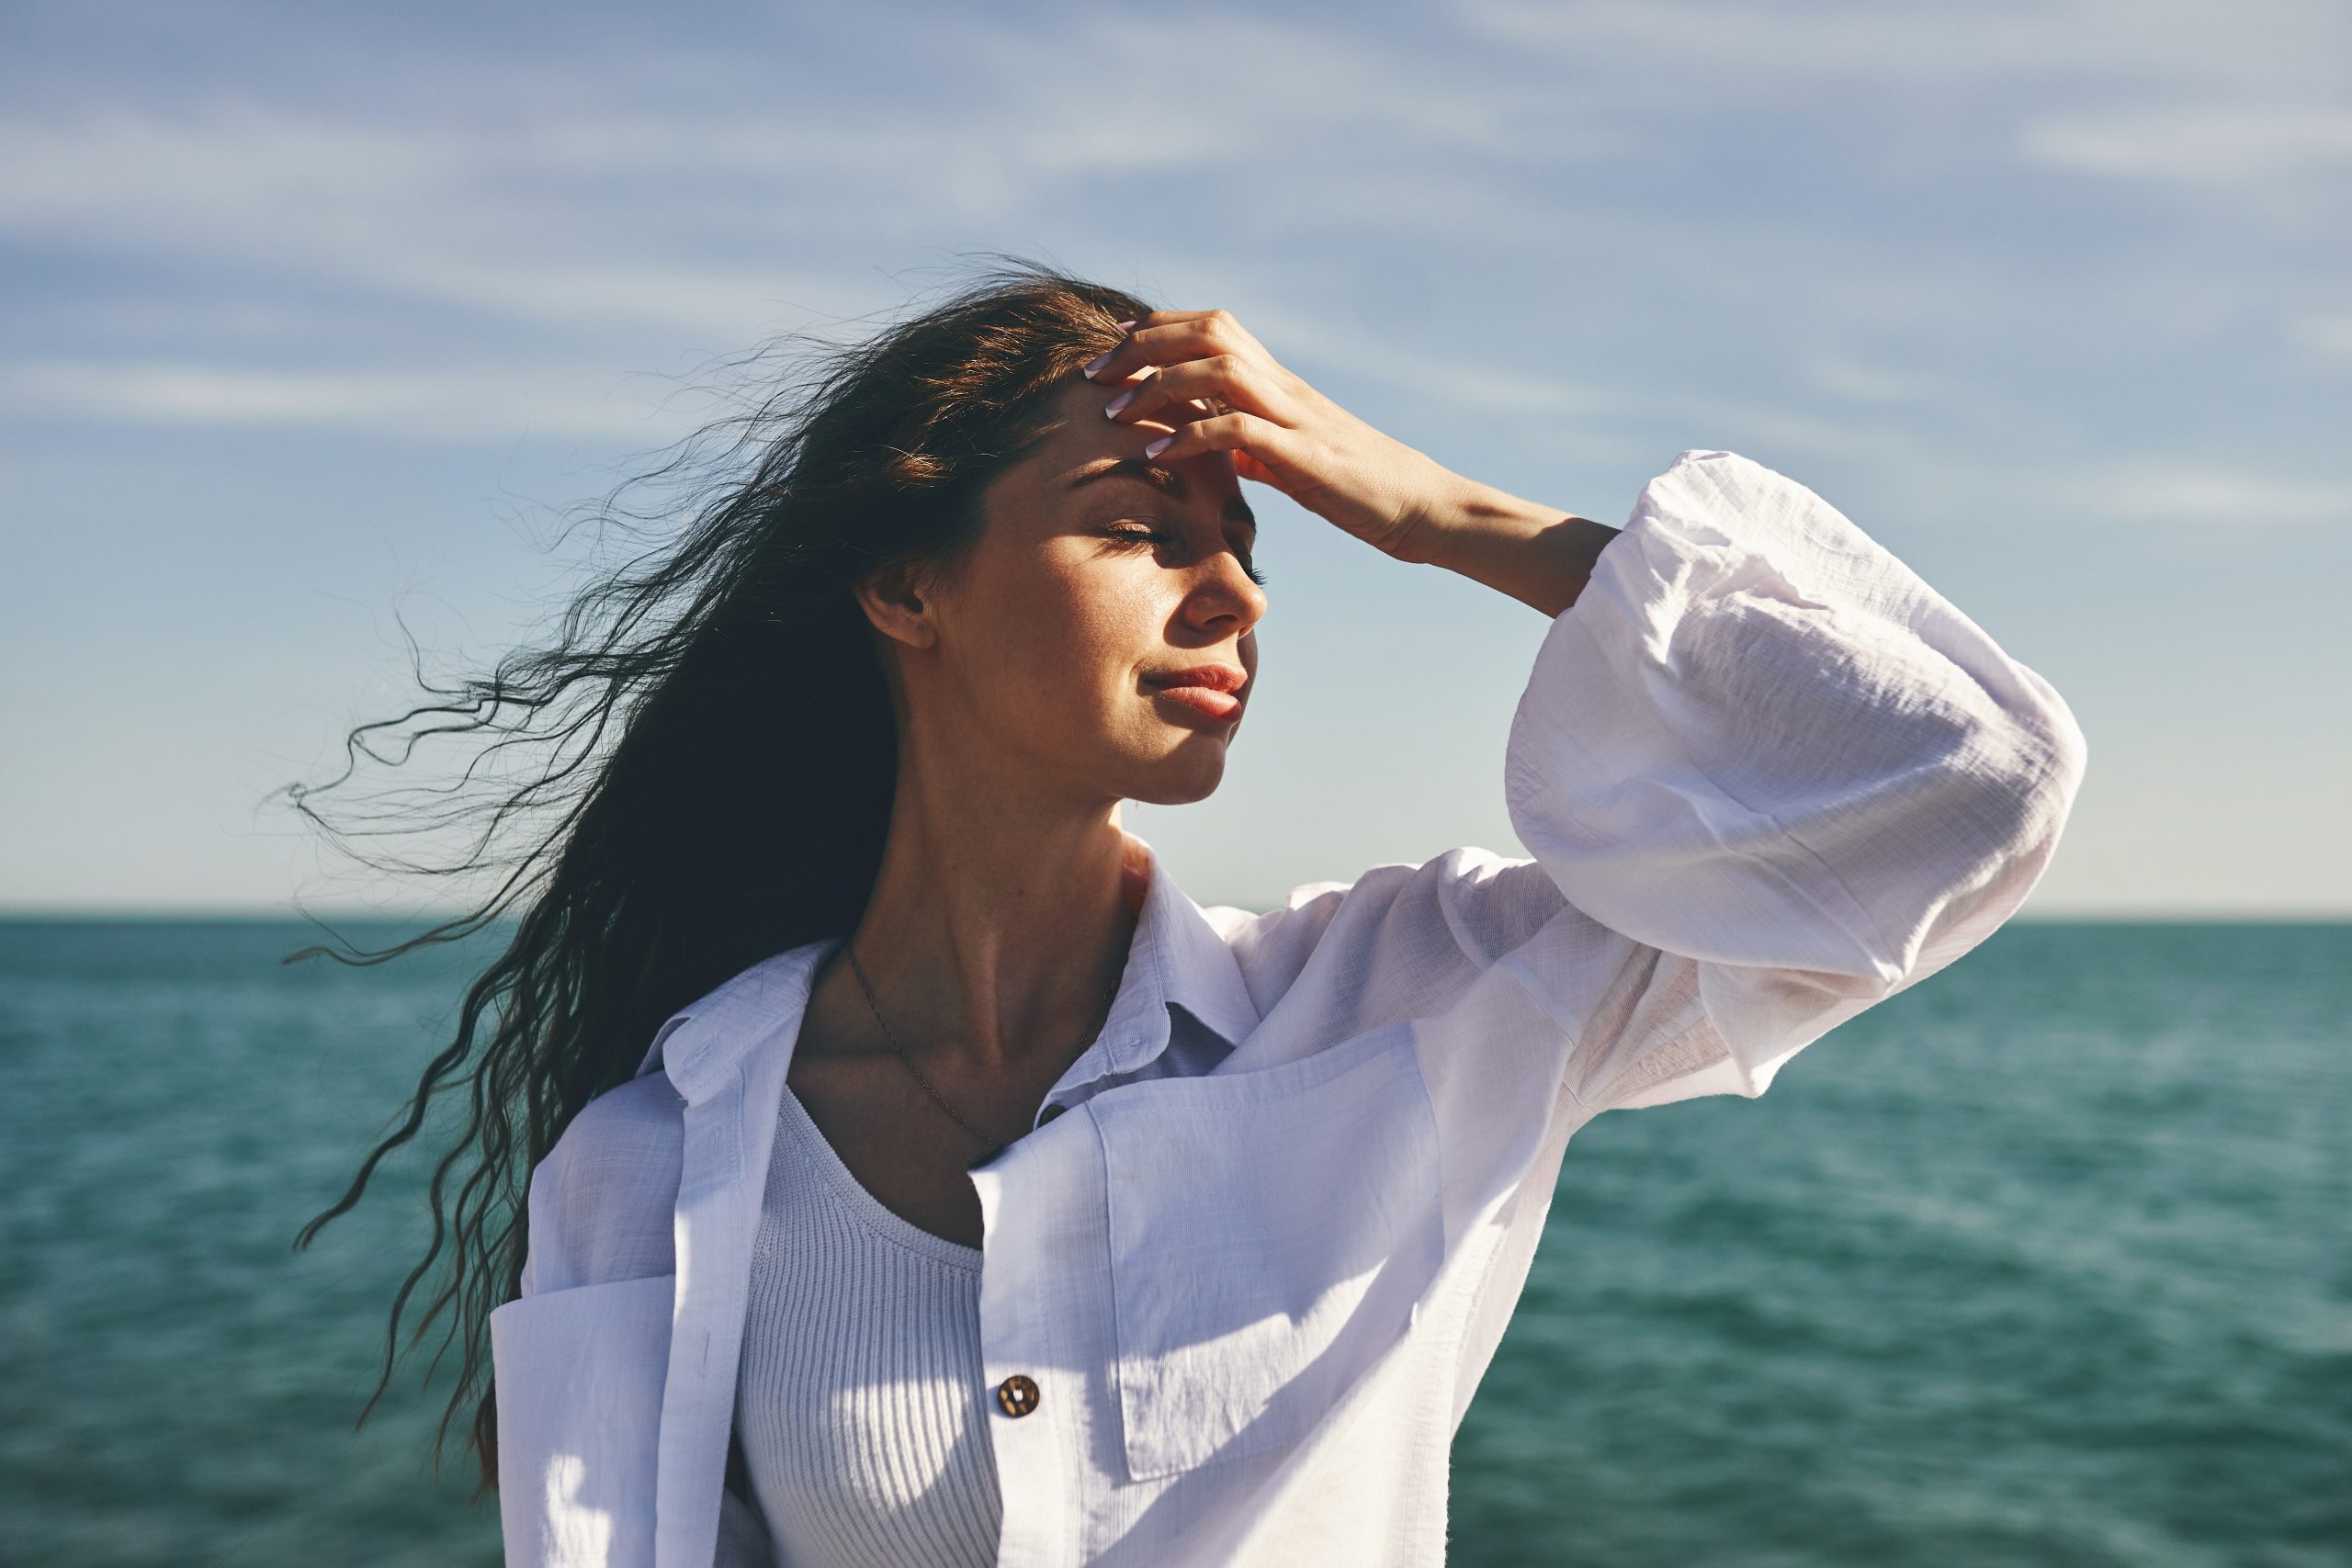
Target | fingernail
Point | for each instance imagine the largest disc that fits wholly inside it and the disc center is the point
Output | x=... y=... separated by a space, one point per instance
x=1124 y=325
x=1157 y=448
x=1115 y=404
x=1097 y=363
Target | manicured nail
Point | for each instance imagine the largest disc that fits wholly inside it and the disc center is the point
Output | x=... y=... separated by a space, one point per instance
x=1097 y=363
x=1112 y=408
x=1157 y=448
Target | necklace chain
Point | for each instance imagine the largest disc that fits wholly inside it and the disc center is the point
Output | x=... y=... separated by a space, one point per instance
x=920 y=1078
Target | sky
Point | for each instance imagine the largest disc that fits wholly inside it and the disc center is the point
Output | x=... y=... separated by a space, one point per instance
x=314 y=321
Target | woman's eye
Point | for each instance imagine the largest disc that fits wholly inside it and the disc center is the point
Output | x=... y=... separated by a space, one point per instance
x=1156 y=538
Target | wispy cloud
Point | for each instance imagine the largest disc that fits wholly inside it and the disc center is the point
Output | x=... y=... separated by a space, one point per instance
x=454 y=405
x=585 y=225
x=2253 y=42
x=492 y=222
x=2169 y=491
x=2326 y=334
x=697 y=212
x=1379 y=357
x=2218 y=147
x=1858 y=382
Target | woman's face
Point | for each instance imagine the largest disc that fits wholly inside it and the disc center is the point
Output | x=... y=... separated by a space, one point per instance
x=1054 y=648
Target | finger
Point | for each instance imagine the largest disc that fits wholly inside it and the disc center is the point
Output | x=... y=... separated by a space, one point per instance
x=1171 y=337
x=1161 y=421
x=1165 y=317
x=1174 y=411
x=1249 y=467
x=1192 y=409
x=1222 y=378
x=1114 y=363
x=1191 y=406
x=1271 y=444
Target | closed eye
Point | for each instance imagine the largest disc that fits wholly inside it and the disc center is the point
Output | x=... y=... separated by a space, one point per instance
x=1142 y=536
x=1156 y=538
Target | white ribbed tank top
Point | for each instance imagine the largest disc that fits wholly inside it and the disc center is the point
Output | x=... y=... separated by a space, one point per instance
x=859 y=1405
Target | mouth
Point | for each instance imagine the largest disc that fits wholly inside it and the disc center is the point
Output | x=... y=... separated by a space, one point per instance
x=1211 y=691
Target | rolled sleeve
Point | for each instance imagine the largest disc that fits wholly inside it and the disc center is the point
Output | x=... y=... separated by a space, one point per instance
x=1766 y=752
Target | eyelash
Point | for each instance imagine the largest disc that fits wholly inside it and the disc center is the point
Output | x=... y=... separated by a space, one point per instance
x=1153 y=536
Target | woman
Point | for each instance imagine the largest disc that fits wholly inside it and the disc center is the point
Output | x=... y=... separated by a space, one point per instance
x=918 y=1176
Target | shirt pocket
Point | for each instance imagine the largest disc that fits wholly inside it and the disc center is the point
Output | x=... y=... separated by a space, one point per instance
x=579 y=1375
x=1271 y=1232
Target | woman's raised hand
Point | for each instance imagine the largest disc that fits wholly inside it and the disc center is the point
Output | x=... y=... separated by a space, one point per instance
x=1205 y=375
x=1219 y=390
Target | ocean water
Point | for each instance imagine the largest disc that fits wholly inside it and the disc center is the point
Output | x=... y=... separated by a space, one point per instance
x=2048 y=1261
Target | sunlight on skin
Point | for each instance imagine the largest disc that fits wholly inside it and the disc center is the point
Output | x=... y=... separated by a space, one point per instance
x=1027 y=672
x=1034 y=693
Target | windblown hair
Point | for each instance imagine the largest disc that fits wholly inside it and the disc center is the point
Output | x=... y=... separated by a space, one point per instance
x=709 y=750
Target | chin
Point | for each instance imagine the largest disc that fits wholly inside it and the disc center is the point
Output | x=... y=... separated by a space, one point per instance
x=1190 y=774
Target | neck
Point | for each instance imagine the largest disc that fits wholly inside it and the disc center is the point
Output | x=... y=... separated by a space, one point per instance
x=1001 y=916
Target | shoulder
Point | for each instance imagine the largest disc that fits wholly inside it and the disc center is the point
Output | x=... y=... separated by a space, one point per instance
x=601 y=1202
x=1399 y=934
x=1472 y=895
x=639 y=1118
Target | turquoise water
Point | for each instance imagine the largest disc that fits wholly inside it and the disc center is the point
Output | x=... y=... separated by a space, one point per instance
x=2046 y=1262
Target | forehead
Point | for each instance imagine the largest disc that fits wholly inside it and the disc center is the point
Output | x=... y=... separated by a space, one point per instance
x=1080 y=453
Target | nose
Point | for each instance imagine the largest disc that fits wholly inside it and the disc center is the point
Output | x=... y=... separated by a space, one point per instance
x=1225 y=593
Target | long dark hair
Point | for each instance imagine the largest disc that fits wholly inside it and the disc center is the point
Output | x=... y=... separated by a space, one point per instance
x=707 y=751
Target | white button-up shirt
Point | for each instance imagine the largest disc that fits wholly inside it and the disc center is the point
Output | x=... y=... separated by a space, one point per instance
x=1768 y=777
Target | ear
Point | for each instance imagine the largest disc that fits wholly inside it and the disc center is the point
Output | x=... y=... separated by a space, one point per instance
x=895 y=604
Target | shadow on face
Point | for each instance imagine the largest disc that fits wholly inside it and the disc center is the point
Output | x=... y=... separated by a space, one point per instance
x=1098 y=639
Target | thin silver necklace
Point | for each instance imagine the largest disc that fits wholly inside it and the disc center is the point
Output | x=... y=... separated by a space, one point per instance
x=928 y=1086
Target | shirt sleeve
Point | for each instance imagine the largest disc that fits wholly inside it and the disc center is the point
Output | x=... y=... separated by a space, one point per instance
x=1789 y=775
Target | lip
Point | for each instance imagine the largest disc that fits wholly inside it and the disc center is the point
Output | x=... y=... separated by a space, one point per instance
x=1215 y=677
x=1210 y=690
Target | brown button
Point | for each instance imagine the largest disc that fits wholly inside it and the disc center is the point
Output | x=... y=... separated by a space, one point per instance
x=1017 y=1395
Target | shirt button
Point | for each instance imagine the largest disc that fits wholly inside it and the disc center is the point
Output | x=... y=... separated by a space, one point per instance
x=1017 y=1395
x=1049 y=1113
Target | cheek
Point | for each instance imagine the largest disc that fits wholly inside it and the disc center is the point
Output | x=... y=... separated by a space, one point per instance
x=1062 y=655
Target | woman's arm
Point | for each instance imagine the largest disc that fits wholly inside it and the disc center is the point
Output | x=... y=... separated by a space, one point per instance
x=1767 y=775
x=1283 y=433
x=1204 y=378
x=1538 y=555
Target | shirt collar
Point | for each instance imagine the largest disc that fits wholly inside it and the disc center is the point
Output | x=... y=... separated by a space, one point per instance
x=1177 y=959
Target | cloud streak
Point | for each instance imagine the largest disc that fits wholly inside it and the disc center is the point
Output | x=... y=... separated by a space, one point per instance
x=451 y=405
x=2256 y=43
x=2221 y=148
x=2165 y=490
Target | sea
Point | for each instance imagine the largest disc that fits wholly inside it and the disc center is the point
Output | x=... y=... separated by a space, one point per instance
x=2047 y=1261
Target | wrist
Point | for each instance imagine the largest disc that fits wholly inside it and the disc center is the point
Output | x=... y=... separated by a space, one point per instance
x=1538 y=555
x=1468 y=521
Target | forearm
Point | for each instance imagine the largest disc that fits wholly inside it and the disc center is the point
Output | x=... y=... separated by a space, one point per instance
x=1538 y=555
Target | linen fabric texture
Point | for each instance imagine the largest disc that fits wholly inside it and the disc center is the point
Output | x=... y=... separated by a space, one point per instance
x=1767 y=777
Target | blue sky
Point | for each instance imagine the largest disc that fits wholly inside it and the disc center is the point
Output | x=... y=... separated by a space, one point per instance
x=311 y=317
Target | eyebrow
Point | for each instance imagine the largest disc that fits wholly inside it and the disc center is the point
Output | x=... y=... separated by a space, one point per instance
x=1169 y=480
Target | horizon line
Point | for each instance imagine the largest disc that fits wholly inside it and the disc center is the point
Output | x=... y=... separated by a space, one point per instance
x=251 y=914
